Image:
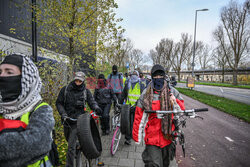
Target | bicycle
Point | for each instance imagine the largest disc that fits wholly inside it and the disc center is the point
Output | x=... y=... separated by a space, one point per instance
x=80 y=160
x=121 y=124
x=115 y=127
x=178 y=134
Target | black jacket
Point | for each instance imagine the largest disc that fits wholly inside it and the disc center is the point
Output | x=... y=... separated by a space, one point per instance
x=104 y=95
x=74 y=102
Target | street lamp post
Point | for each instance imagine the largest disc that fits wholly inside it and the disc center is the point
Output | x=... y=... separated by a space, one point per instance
x=195 y=38
x=34 y=32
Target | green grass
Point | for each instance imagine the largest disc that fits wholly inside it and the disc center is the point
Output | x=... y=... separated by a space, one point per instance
x=234 y=108
x=220 y=84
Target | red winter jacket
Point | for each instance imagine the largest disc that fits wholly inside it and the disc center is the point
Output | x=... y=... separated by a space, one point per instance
x=149 y=125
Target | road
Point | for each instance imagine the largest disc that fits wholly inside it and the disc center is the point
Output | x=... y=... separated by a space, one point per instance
x=236 y=94
x=219 y=140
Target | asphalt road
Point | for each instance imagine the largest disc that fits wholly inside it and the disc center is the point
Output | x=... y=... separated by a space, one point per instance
x=217 y=140
x=240 y=95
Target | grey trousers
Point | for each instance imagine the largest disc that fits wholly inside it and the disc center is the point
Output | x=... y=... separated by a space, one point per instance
x=70 y=135
x=154 y=156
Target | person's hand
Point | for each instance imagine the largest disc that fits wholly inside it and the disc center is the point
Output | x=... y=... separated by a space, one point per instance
x=64 y=116
x=172 y=98
x=119 y=106
x=98 y=111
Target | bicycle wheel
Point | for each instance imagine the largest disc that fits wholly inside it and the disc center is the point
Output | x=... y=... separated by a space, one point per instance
x=115 y=140
x=80 y=160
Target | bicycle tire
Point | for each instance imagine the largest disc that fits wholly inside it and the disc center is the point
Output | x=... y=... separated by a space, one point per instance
x=89 y=137
x=115 y=140
x=125 y=119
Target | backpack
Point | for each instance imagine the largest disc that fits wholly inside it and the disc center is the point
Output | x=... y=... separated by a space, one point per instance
x=53 y=154
x=118 y=75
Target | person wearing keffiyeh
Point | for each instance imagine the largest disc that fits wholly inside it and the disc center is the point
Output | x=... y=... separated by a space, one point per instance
x=26 y=123
x=158 y=95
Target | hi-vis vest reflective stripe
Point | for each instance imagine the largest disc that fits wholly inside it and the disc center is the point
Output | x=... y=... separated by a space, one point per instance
x=124 y=80
x=134 y=94
x=25 y=119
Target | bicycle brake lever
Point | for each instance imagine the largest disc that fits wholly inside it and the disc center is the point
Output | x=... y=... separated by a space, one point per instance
x=199 y=117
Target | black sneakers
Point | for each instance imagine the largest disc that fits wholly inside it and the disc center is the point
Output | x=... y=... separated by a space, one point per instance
x=107 y=132
x=127 y=142
x=104 y=133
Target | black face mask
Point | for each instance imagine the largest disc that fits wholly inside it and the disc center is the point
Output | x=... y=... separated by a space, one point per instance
x=77 y=86
x=10 y=87
x=114 y=72
x=158 y=83
x=101 y=83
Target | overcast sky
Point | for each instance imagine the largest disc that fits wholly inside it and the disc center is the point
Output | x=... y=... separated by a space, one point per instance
x=148 y=21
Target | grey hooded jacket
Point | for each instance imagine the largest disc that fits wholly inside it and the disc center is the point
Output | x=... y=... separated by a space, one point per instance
x=28 y=146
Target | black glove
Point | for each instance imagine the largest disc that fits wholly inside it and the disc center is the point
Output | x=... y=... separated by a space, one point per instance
x=98 y=111
x=64 y=116
x=119 y=106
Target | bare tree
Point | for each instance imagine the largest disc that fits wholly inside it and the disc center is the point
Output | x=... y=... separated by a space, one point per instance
x=198 y=50
x=235 y=31
x=136 y=58
x=182 y=50
x=221 y=59
x=165 y=50
x=204 y=57
x=118 y=53
x=154 y=56
x=121 y=55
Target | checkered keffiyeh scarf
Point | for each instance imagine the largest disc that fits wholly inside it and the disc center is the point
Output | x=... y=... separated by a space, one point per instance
x=166 y=122
x=30 y=94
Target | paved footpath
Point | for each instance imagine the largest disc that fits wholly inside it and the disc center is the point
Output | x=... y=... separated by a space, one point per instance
x=218 y=140
x=129 y=156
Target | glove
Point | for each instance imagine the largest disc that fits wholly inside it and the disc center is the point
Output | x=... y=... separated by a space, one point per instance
x=98 y=111
x=119 y=106
x=64 y=116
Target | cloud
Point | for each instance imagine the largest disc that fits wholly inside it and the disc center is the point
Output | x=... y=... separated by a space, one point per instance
x=148 y=21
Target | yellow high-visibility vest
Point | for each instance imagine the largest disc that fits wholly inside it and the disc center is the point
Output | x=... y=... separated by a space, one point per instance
x=25 y=119
x=133 y=94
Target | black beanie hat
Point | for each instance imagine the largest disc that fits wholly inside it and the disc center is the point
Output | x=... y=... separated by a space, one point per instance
x=157 y=70
x=14 y=59
x=114 y=67
x=101 y=76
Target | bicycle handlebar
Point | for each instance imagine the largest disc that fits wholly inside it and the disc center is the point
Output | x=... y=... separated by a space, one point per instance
x=71 y=119
x=177 y=111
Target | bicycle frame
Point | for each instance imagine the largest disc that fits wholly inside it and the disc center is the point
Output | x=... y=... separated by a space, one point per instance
x=117 y=133
x=178 y=134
